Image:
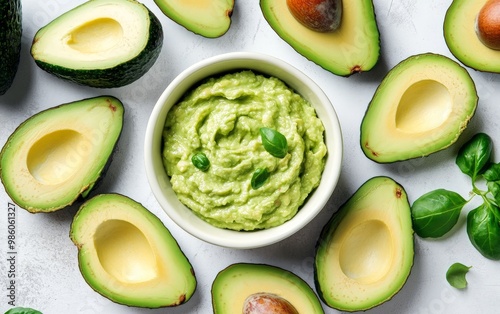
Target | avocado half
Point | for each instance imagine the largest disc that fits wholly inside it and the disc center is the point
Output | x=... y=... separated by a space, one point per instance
x=234 y=284
x=10 y=42
x=58 y=155
x=208 y=18
x=126 y=254
x=100 y=43
x=461 y=38
x=353 y=47
x=365 y=252
x=422 y=106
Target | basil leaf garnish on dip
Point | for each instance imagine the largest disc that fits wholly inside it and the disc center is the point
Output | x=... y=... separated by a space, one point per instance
x=274 y=142
x=259 y=177
x=200 y=161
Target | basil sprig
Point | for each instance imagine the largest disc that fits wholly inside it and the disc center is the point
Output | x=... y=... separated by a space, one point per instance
x=200 y=161
x=274 y=142
x=437 y=212
x=259 y=177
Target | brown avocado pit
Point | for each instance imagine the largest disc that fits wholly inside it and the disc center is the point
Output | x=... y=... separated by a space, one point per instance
x=317 y=15
x=488 y=24
x=261 y=303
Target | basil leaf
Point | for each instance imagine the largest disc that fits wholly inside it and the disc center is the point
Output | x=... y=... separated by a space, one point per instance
x=456 y=275
x=436 y=212
x=474 y=155
x=200 y=161
x=492 y=173
x=259 y=177
x=483 y=230
x=494 y=189
x=274 y=142
x=22 y=310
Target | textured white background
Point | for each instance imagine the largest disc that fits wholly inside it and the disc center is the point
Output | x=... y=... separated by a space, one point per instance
x=47 y=272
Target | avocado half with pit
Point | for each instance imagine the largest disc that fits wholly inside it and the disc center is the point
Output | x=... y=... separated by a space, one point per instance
x=353 y=47
x=461 y=36
x=100 y=43
x=126 y=254
x=365 y=252
x=266 y=288
x=422 y=106
x=208 y=18
x=58 y=155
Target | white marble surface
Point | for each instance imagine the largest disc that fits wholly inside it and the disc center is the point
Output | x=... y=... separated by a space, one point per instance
x=47 y=275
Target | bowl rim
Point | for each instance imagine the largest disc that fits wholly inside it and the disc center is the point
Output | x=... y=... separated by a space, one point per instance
x=227 y=62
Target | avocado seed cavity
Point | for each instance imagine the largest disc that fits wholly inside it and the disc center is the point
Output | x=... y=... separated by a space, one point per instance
x=124 y=252
x=424 y=106
x=55 y=157
x=488 y=24
x=318 y=15
x=263 y=303
x=366 y=253
x=95 y=36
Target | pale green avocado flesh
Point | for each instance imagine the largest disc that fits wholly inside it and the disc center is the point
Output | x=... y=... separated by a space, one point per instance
x=353 y=47
x=100 y=43
x=365 y=252
x=422 y=106
x=208 y=18
x=462 y=40
x=234 y=284
x=126 y=254
x=58 y=155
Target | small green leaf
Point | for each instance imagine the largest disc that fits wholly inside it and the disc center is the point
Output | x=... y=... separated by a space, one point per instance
x=492 y=173
x=436 y=212
x=483 y=230
x=22 y=310
x=456 y=275
x=274 y=142
x=474 y=155
x=200 y=161
x=259 y=177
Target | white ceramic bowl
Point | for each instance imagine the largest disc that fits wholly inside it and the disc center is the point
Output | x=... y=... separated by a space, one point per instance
x=159 y=180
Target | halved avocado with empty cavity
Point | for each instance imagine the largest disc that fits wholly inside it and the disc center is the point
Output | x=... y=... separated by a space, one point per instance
x=208 y=18
x=265 y=288
x=100 y=43
x=365 y=252
x=462 y=35
x=59 y=154
x=422 y=106
x=126 y=254
x=353 y=47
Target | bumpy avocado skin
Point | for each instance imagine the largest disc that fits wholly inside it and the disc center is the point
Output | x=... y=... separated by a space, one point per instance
x=120 y=75
x=10 y=41
x=376 y=192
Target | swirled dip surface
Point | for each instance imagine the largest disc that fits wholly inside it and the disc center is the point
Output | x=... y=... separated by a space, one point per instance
x=221 y=117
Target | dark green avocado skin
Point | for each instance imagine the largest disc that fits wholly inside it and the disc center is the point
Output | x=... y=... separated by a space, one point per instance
x=120 y=75
x=10 y=41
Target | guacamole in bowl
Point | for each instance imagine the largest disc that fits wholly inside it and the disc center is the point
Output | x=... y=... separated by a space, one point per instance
x=227 y=145
x=241 y=184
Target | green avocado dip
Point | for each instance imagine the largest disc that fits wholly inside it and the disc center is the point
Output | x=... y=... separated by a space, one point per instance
x=214 y=154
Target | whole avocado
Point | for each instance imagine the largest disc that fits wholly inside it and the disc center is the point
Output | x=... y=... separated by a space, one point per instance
x=10 y=41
